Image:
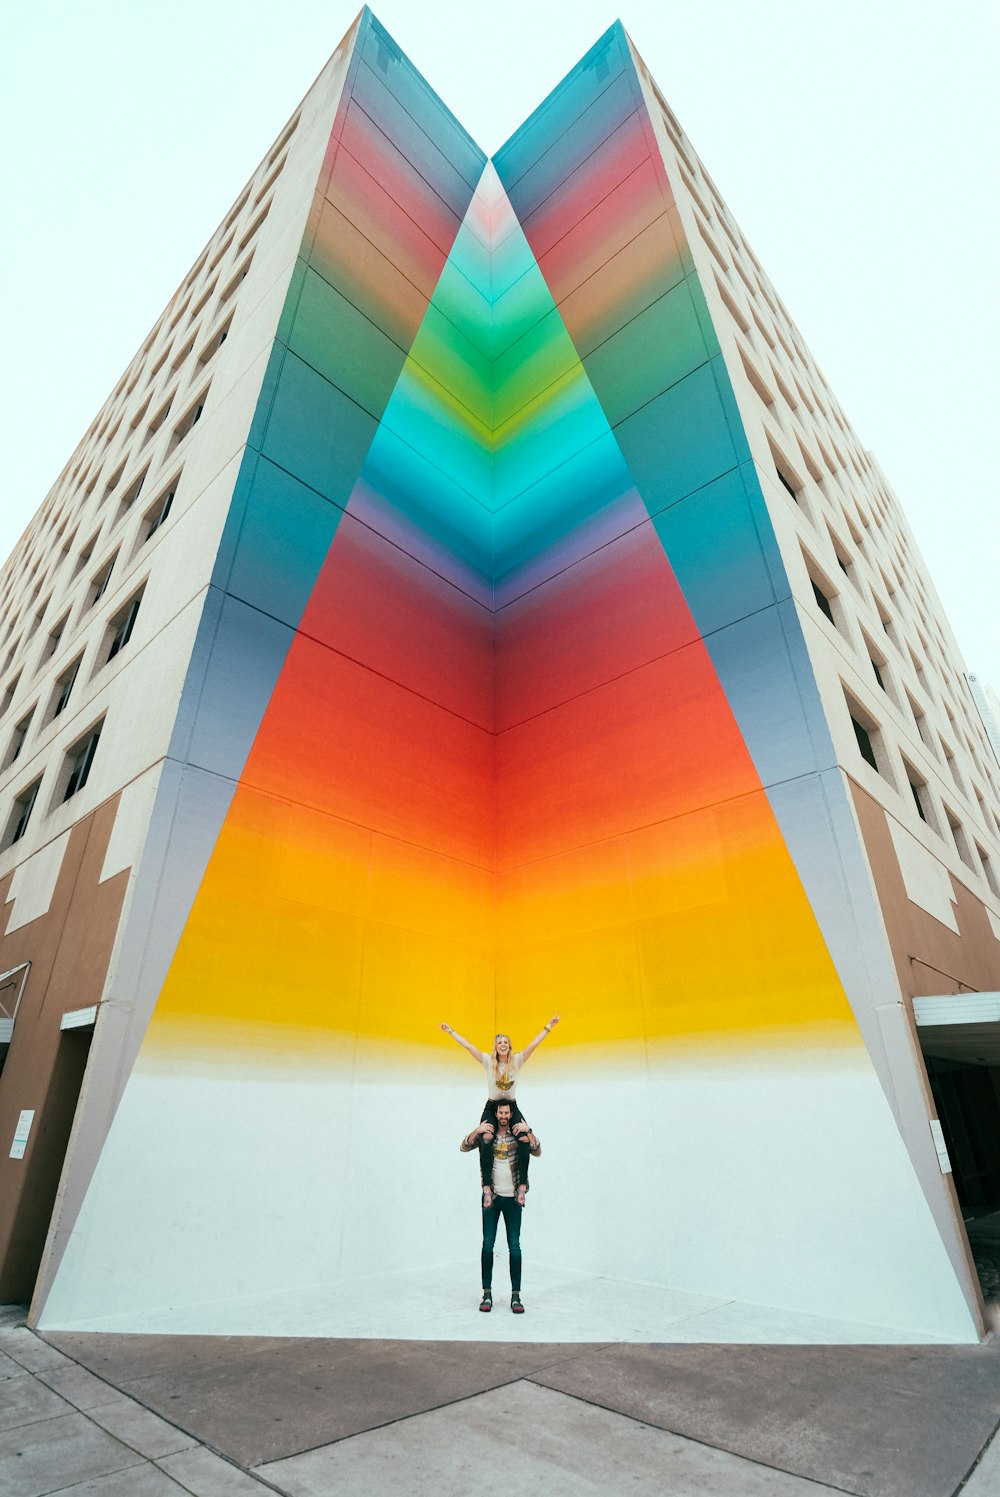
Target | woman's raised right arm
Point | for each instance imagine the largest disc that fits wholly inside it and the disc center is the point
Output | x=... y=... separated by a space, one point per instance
x=465 y=1044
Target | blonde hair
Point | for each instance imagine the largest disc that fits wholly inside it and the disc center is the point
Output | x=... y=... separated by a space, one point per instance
x=495 y=1057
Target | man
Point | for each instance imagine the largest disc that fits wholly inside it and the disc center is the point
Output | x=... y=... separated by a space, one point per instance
x=502 y=1197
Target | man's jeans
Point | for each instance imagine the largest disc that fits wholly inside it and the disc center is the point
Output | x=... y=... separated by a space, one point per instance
x=507 y=1207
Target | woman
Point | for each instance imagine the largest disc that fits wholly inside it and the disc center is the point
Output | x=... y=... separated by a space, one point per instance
x=502 y=1067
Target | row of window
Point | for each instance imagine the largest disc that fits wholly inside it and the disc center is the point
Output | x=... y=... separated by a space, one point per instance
x=153 y=518
x=871 y=746
x=971 y=735
x=117 y=635
x=73 y=775
x=799 y=388
x=28 y=570
x=179 y=322
x=937 y=745
x=191 y=415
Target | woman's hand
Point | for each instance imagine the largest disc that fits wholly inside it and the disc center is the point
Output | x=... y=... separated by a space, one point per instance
x=447 y=1029
x=553 y=1020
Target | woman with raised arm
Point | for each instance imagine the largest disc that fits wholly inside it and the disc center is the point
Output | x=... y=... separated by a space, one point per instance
x=502 y=1066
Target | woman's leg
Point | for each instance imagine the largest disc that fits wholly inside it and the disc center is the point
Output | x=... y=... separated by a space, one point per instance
x=523 y=1160
x=523 y=1151
x=486 y=1145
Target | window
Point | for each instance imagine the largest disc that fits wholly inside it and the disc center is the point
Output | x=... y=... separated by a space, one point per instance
x=270 y=181
x=949 y=759
x=56 y=636
x=158 y=420
x=99 y=583
x=880 y=668
x=17 y=739
x=823 y=591
x=988 y=872
x=212 y=347
x=959 y=838
x=252 y=230
x=885 y=618
x=786 y=477
x=84 y=556
x=920 y=793
x=223 y=249
x=190 y=419
x=78 y=761
x=10 y=690
x=921 y=722
x=731 y=307
x=203 y=300
x=20 y=815
x=122 y=625
x=823 y=602
x=132 y=493
x=283 y=139
x=844 y=559
x=185 y=352
x=234 y=284
x=868 y=736
x=757 y=380
x=64 y=687
x=155 y=516
x=864 y=743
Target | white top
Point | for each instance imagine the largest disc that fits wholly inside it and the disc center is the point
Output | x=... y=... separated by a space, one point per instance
x=504 y=1150
x=505 y=1089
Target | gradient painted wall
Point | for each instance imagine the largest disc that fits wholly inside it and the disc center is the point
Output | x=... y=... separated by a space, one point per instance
x=507 y=710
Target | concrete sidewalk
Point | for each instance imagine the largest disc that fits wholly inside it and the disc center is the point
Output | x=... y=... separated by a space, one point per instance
x=147 y=1416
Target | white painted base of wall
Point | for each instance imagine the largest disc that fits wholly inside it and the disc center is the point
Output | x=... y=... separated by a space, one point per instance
x=274 y=1204
x=441 y=1304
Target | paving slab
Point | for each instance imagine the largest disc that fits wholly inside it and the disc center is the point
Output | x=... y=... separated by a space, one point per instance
x=985 y=1479
x=52 y=1454
x=531 y=1441
x=282 y=1397
x=876 y=1421
x=79 y=1387
x=26 y=1401
x=206 y=1475
x=30 y=1351
x=142 y=1430
x=136 y=1481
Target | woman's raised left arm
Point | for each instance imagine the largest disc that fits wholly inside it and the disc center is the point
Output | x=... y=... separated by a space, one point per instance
x=547 y=1029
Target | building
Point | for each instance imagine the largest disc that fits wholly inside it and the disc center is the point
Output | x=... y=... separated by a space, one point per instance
x=471 y=602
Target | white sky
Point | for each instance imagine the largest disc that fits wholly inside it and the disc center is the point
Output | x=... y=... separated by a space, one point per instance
x=855 y=143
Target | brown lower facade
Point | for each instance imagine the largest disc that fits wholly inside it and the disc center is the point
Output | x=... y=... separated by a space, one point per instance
x=58 y=965
x=961 y=1065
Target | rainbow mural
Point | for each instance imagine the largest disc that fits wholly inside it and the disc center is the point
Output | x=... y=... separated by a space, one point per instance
x=502 y=692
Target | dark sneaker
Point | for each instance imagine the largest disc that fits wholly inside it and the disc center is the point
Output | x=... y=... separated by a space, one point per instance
x=487 y=1302
x=515 y=1304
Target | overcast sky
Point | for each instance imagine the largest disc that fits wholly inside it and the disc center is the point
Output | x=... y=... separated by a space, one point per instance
x=855 y=143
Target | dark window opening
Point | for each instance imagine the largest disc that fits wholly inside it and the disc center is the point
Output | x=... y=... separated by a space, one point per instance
x=158 y=514
x=787 y=483
x=65 y=685
x=823 y=602
x=80 y=759
x=864 y=743
x=21 y=814
x=123 y=626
